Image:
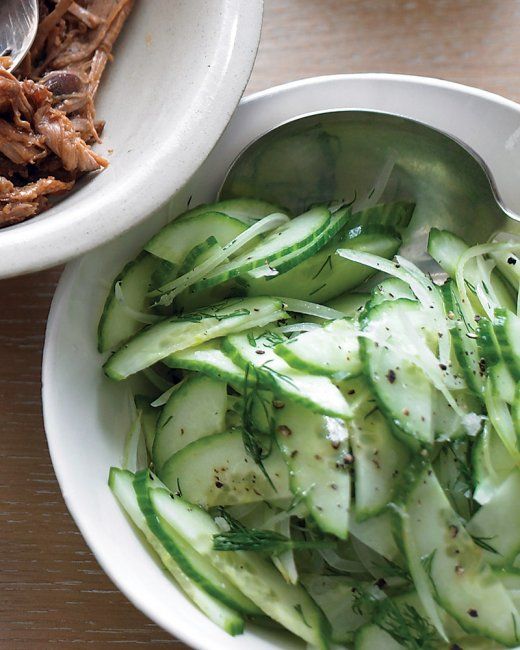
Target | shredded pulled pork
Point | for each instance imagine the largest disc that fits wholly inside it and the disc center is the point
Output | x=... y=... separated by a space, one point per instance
x=47 y=113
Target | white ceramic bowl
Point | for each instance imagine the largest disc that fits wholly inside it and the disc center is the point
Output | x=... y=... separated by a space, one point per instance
x=180 y=69
x=84 y=413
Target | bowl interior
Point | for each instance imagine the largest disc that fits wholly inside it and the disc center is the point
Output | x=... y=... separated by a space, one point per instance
x=179 y=70
x=86 y=416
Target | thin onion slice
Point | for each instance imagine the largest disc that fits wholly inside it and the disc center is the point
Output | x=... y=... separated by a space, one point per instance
x=311 y=309
x=172 y=289
x=139 y=316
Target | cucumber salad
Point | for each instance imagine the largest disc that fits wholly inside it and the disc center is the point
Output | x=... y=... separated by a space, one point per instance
x=325 y=438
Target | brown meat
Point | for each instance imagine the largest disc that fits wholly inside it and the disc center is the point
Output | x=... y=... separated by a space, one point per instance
x=21 y=147
x=47 y=114
x=90 y=19
x=62 y=139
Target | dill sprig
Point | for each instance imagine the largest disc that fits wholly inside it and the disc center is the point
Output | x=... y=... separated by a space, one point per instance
x=254 y=441
x=241 y=538
x=197 y=316
x=404 y=624
x=483 y=543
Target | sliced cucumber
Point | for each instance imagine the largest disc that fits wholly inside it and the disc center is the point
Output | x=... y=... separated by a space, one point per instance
x=404 y=393
x=509 y=265
x=336 y=595
x=210 y=360
x=255 y=576
x=287 y=238
x=174 y=334
x=254 y=352
x=199 y=253
x=464 y=341
x=390 y=289
x=372 y=637
x=332 y=350
x=149 y=417
x=498 y=522
x=316 y=450
x=194 y=565
x=350 y=304
x=502 y=382
x=395 y=215
x=507 y=329
x=492 y=464
x=379 y=463
x=117 y=324
x=376 y=533
x=487 y=343
x=121 y=484
x=326 y=275
x=197 y=409
x=217 y=471
x=247 y=210
x=450 y=467
x=461 y=581
x=447 y=249
x=175 y=241
x=338 y=220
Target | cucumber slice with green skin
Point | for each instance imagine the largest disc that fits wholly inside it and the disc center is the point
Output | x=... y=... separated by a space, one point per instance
x=336 y=595
x=502 y=382
x=372 y=637
x=326 y=275
x=491 y=463
x=464 y=342
x=501 y=419
x=247 y=210
x=402 y=390
x=210 y=360
x=199 y=253
x=316 y=450
x=149 y=417
x=255 y=353
x=395 y=215
x=515 y=408
x=487 y=343
x=498 y=522
x=337 y=222
x=460 y=580
x=350 y=304
x=507 y=329
x=509 y=265
x=116 y=325
x=121 y=484
x=289 y=605
x=390 y=289
x=174 y=334
x=447 y=249
x=194 y=565
x=332 y=351
x=217 y=471
x=285 y=239
x=379 y=462
x=197 y=409
x=175 y=241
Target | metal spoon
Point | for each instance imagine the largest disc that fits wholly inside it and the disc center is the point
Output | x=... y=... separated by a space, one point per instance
x=339 y=154
x=18 y=26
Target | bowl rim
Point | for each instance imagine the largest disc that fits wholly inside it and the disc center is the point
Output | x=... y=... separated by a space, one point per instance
x=40 y=244
x=184 y=633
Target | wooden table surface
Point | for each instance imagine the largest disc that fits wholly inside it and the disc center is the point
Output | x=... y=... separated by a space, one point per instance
x=52 y=591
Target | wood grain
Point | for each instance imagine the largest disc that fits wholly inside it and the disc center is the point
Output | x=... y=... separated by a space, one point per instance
x=52 y=592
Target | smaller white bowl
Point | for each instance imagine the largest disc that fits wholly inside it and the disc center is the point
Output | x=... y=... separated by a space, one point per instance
x=179 y=71
x=84 y=412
